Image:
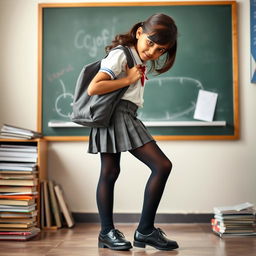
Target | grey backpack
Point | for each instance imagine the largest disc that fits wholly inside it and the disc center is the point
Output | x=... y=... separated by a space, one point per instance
x=96 y=110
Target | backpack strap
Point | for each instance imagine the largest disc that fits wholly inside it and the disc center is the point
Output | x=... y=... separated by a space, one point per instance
x=129 y=57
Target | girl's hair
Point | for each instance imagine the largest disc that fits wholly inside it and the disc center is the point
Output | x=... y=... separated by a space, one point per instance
x=162 y=30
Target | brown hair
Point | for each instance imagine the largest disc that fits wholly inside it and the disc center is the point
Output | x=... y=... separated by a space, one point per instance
x=162 y=30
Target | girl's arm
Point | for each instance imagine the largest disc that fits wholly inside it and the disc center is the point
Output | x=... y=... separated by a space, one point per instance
x=102 y=82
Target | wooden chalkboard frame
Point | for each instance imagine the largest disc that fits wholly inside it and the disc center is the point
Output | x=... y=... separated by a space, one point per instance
x=233 y=4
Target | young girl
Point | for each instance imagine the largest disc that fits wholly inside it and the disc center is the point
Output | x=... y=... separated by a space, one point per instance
x=147 y=41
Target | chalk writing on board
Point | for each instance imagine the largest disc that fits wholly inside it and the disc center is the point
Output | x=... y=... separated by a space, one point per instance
x=63 y=102
x=172 y=114
x=59 y=73
x=94 y=43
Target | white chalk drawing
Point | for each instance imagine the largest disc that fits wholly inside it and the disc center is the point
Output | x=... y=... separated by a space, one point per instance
x=168 y=115
x=176 y=115
x=64 y=102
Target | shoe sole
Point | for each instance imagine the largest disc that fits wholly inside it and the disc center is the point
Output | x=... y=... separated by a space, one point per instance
x=119 y=248
x=143 y=245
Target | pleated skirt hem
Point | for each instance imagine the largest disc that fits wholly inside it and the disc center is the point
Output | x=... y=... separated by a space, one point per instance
x=126 y=132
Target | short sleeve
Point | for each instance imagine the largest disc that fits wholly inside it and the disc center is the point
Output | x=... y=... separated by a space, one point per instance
x=114 y=64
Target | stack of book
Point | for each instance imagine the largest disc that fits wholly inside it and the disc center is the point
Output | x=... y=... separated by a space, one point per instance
x=234 y=220
x=18 y=192
x=13 y=132
x=55 y=212
x=18 y=153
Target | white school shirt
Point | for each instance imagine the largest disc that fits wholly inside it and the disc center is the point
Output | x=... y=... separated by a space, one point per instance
x=115 y=66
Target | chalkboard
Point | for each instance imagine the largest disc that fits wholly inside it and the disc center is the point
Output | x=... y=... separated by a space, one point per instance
x=72 y=35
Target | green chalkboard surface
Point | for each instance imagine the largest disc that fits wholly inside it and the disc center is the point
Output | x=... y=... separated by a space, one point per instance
x=71 y=36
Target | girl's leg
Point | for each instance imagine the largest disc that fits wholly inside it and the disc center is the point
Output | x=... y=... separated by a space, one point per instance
x=110 y=169
x=151 y=155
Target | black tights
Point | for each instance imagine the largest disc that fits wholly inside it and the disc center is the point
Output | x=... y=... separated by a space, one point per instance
x=160 y=166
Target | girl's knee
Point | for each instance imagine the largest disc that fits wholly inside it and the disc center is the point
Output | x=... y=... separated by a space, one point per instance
x=167 y=164
x=110 y=175
x=166 y=167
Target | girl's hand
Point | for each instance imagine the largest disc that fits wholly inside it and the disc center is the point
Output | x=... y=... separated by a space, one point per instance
x=134 y=74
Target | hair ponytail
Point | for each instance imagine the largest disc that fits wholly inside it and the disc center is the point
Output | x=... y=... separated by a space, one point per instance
x=128 y=39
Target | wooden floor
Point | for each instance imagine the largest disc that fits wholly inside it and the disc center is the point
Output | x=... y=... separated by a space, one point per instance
x=193 y=239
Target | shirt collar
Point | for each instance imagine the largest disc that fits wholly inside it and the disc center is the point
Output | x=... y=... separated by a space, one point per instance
x=136 y=56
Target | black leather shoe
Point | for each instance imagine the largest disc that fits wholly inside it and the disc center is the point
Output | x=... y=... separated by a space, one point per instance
x=114 y=240
x=156 y=239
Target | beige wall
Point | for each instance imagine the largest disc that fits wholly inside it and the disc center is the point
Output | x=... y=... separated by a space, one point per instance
x=205 y=173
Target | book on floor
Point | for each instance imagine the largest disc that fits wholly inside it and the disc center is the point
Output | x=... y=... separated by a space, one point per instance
x=19 y=234
x=12 y=166
x=234 y=220
x=11 y=208
x=54 y=210
x=63 y=206
x=26 y=189
x=17 y=176
x=23 y=202
x=18 y=215
x=17 y=182
x=54 y=204
x=48 y=217
x=238 y=208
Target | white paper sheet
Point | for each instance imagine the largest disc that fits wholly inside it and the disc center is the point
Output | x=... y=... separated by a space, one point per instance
x=205 y=105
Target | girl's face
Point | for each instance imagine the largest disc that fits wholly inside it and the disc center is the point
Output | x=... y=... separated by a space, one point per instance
x=146 y=48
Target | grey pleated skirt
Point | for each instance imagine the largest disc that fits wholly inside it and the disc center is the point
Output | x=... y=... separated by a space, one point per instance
x=126 y=131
